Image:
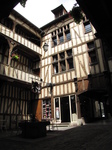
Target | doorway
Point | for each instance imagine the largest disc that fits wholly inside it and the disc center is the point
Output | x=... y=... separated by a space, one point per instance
x=65 y=111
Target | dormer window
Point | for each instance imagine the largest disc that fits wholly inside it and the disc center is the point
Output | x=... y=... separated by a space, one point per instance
x=59 y=14
x=59 y=11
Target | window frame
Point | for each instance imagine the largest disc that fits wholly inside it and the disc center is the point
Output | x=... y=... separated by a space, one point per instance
x=66 y=35
x=91 y=49
x=47 y=104
x=87 y=29
x=61 y=35
x=63 y=58
x=62 y=66
x=69 y=64
x=54 y=39
x=55 y=68
x=61 y=38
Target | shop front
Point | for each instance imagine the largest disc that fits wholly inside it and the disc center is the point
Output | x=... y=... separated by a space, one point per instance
x=65 y=109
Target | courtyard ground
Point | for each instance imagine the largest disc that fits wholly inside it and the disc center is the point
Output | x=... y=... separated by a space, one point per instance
x=94 y=136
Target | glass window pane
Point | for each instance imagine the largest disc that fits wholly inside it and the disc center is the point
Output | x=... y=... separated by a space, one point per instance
x=62 y=55
x=63 y=66
x=55 y=68
x=70 y=63
x=69 y=52
x=92 y=55
x=54 y=41
x=73 y=105
x=68 y=36
x=57 y=108
x=61 y=39
x=55 y=58
x=87 y=27
x=57 y=102
x=92 y=52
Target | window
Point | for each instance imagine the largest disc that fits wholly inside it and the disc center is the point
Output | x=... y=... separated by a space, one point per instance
x=46 y=109
x=92 y=55
x=62 y=61
x=57 y=113
x=70 y=63
x=62 y=66
x=63 y=35
x=54 y=41
x=69 y=59
x=55 y=68
x=87 y=27
x=69 y=52
x=73 y=105
x=61 y=38
x=55 y=58
x=62 y=55
x=58 y=14
x=92 y=52
x=68 y=36
x=55 y=64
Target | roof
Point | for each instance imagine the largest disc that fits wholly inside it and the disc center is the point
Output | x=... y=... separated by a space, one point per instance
x=61 y=7
x=55 y=21
x=19 y=16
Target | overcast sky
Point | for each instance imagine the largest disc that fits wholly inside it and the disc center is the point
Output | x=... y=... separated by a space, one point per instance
x=39 y=12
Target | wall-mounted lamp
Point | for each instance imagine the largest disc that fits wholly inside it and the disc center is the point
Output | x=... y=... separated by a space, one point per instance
x=50 y=85
x=45 y=47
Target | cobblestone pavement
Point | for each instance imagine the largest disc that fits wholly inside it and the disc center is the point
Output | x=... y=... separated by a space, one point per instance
x=96 y=136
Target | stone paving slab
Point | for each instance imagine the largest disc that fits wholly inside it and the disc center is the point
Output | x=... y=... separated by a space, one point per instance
x=96 y=136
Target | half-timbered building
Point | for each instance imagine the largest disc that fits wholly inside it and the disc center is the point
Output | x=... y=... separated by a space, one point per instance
x=20 y=60
x=75 y=67
x=66 y=83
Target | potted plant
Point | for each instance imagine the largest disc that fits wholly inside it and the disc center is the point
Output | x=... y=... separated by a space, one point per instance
x=15 y=57
x=77 y=14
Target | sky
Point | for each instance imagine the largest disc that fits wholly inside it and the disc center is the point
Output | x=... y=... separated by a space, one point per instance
x=39 y=12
